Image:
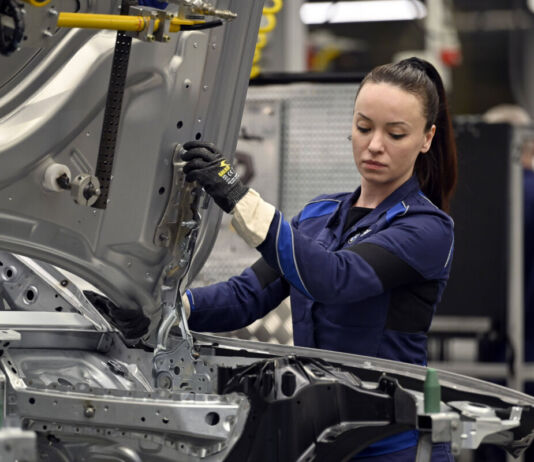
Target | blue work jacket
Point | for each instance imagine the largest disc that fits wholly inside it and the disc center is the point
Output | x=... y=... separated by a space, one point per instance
x=370 y=290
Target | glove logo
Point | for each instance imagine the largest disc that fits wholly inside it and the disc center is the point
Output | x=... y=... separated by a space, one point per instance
x=225 y=167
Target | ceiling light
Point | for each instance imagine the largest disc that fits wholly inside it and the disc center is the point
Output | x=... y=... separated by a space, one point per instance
x=364 y=11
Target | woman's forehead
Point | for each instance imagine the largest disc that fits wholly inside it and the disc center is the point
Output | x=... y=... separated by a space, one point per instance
x=388 y=100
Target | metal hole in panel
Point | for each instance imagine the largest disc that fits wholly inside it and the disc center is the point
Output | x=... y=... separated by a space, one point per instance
x=8 y=273
x=212 y=418
x=30 y=296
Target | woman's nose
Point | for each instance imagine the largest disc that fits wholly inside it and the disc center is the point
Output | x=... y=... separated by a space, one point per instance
x=376 y=144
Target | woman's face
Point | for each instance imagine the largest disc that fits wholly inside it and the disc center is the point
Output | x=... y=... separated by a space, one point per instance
x=388 y=133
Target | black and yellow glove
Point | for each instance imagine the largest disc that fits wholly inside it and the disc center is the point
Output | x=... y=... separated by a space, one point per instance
x=206 y=165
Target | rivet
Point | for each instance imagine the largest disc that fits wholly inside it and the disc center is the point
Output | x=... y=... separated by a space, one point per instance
x=89 y=411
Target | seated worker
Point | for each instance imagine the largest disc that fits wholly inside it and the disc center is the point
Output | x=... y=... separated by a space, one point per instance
x=365 y=269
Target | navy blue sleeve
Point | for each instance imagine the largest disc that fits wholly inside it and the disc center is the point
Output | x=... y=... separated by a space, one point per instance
x=238 y=302
x=422 y=242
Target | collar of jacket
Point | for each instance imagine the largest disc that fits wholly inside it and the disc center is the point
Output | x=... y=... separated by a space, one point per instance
x=339 y=216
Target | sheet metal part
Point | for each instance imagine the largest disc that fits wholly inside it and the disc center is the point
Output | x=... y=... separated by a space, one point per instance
x=18 y=445
x=178 y=230
x=55 y=114
x=179 y=368
x=29 y=285
x=80 y=394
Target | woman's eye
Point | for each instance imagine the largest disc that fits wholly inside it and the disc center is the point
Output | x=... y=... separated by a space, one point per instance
x=363 y=129
x=397 y=137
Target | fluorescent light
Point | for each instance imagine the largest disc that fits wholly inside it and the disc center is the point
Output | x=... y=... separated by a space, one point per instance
x=364 y=11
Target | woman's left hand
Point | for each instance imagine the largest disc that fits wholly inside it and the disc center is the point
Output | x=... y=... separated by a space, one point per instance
x=206 y=165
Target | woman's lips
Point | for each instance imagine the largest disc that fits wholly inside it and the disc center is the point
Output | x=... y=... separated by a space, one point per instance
x=373 y=165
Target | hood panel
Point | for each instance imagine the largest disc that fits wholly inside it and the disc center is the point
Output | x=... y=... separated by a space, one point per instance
x=192 y=87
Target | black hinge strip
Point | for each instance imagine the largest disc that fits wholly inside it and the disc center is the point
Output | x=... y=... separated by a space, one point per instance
x=112 y=112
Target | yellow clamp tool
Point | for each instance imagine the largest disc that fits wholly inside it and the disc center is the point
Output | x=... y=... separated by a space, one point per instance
x=118 y=22
x=38 y=2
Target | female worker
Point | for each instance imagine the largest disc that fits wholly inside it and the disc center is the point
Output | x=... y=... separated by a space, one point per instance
x=366 y=269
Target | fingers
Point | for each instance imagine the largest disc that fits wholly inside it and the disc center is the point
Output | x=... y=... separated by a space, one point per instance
x=194 y=175
x=200 y=144
x=199 y=149
x=200 y=153
x=195 y=164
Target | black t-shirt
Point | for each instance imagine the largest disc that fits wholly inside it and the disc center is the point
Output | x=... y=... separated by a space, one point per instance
x=355 y=214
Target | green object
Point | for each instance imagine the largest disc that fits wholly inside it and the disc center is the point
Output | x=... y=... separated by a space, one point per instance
x=432 y=391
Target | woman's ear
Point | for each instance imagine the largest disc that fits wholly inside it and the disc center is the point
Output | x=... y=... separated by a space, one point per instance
x=429 y=135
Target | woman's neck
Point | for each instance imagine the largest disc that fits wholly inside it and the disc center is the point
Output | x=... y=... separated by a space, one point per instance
x=372 y=194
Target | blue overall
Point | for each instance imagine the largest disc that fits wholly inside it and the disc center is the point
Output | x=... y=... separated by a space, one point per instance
x=370 y=290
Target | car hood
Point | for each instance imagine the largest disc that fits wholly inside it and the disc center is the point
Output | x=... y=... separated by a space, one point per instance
x=52 y=100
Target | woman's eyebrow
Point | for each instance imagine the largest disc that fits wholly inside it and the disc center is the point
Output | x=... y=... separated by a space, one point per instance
x=400 y=122
x=363 y=116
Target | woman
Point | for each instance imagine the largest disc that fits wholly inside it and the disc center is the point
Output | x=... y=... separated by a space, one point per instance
x=366 y=269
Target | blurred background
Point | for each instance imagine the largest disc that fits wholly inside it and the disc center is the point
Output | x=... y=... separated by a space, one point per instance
x=483 y=46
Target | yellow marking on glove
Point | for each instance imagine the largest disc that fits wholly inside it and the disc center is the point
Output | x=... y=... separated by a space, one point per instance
x=225 y=167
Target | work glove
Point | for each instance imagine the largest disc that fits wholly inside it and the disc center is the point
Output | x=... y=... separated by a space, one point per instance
x=132 y=323
x=207 y=166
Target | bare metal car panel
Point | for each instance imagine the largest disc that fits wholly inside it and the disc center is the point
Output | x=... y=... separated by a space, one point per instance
x=196 y=81
x=71 y=387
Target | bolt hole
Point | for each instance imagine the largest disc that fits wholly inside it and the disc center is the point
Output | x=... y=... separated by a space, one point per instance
x=198 y=136
x=179 y=125
x=31 y=400
x=165 y=420
x=142 y=419
x=212 y=418
x=176 y=370
x=58 y=308
x=30 y=295
x=161 y=190
x=9 y=273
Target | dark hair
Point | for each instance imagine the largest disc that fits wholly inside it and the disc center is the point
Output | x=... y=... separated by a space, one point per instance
x=437 y=170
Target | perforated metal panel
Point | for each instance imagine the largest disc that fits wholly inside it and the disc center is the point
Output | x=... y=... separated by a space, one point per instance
x=316 y=154
x=297 y=137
